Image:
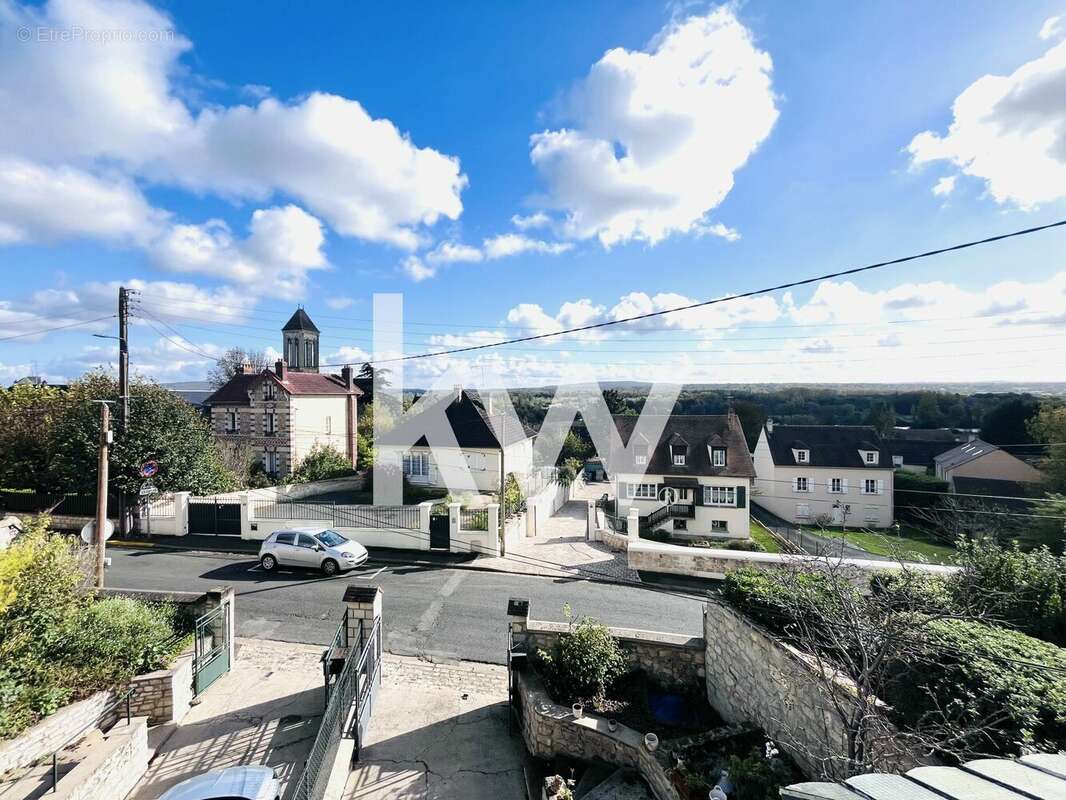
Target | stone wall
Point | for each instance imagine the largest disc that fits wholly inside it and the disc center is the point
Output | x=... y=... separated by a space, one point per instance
x=670 y=659
x=754 y=678
x=53 y=731
x=111 y=767
x=166 y=694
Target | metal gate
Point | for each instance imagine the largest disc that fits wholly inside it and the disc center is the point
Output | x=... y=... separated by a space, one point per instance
x=440 y=537
x=211 y=648
x=215 y=516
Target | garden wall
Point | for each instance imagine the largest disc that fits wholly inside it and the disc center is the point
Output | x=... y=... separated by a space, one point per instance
x=671 y=659
x=111 y=767
x=54 y=730
x=166 y=694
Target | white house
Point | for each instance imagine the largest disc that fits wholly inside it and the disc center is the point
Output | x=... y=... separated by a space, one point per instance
x=694 y=481
x=842 y=472
x=479 y=447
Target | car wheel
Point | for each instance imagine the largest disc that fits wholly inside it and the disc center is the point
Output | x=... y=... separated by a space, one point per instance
x=329 y=567
x=268 y=562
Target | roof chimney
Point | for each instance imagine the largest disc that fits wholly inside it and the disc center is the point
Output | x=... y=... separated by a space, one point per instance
x=240 y=369
x=769 y=425
x=348 y=377
x=458 y=392
x=280 y=368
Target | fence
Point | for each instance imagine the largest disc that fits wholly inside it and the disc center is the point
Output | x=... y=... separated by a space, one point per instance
x=74 y=505
x=162 y=507
x=272 y=509
x=474 y=519
x=339 y=516
x=534 y=482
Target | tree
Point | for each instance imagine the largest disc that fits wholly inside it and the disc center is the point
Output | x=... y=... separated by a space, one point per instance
x=321 y=463
x=752 y=417
x=616 y=404
x=1049 y=425
x=574 y=447
x=1007 y=423
x=365 y=380
x=927 y=411
x=226 y=367
x=163 y=428
x=28 y=415
x=883 y=417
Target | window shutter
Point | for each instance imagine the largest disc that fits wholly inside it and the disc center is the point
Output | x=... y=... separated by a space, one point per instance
x=697 y=496
x=795 y=484
x=880 y=487
x=844 y=485
x=742 y=499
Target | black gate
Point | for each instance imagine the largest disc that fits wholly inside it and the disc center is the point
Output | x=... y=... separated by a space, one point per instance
x=440 y=537
x=213 y=516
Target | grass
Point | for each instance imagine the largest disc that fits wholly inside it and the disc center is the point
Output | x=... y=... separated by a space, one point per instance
x=763 y=537
x=912 y=544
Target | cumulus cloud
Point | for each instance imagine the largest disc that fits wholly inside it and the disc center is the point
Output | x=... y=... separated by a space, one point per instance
x=416 y=269
x=535 y=220
x=1008 y=131
x=338 y=303
x=452 y=253
x=656 y=136
x=512 y=244
x=1051 y=28
x=87 y=104
x=945 y=186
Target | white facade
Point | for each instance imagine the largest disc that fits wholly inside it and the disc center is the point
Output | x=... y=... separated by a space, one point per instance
x=857 y=497
x=443 y=466
x=719 y=511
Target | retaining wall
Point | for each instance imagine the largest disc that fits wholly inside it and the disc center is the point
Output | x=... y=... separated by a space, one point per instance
x=111 y=767
x=54 y=730
x=166 y=694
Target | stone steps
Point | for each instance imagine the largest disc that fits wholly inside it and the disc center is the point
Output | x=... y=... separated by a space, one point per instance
x=623 y=784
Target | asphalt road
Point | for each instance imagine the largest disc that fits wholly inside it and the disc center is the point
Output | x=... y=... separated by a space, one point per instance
x=439 y=613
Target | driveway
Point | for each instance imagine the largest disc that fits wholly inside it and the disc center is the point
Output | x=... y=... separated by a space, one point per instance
x=266 y=710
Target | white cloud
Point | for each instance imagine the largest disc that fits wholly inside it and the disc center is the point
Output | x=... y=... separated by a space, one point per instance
x=45 y=204
x=717 y=229
x=338 y=303
x=453 y=253
x=282 y=246
x=1051 y=28
x=945 y=186
x=536 y=220
x=512 y=244
x=86 y=104
x=416 y=269
x=657 y=135
x=1009 y=131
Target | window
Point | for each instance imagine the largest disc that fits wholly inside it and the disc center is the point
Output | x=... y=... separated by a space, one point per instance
x=416 y=465
x=305 y=541
x=718 y=457
x=231 y=422
x=680 y=524
x=270 y=391
x=271 y=423
x=679 y=459
x=329 y=424
x=309 y=349
x=802 y=456
x=641 y=491
x=871 y=456
x=719 y=496
x=270 y=462
x=294 y=353
x=684 y=494
x=640 y=454
x=286 y=538
x=803 y=484
x=897 y=461
x=871 y=486
x=836 y=485
x=803 y=511
x=719 y=525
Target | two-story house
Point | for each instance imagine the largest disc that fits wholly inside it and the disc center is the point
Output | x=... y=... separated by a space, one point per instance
x=281 y=413
x=695 y=480
x=843 y=473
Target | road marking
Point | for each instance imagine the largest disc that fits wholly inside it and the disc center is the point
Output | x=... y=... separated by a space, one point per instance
x=368 y=576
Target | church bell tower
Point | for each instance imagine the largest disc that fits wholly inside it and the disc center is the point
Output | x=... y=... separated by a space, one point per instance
x=300 y=342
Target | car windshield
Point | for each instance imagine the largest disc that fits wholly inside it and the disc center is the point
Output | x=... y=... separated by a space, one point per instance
x=330 y=538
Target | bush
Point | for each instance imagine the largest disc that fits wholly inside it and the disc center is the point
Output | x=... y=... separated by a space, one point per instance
x=585 y=662
x=976 y=673
x=321 y=463
x=748 y=545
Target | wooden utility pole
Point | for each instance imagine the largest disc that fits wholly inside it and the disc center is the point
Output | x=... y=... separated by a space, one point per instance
x=101 y=492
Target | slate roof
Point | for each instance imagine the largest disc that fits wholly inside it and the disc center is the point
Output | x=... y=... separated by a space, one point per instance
x=696 y=432
x=918 y=452
x=829 y=446
x=964 y=453
x=469 y=422
x=235 y=391
x=299 y=321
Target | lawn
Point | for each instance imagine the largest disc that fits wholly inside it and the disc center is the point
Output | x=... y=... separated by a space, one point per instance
x=912 y=544
x=760 y=535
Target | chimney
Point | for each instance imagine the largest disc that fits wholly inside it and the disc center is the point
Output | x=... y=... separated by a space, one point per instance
x=458 y=392
x=280 y=369
x=769 y=425
x=348 y=377
x=240 y=369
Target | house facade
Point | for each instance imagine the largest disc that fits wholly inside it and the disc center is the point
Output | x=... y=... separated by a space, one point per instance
x=280 y=414
x=693 y=483
x=983 y=462
x=488 y=454
x=914 y=449
x=840 y=473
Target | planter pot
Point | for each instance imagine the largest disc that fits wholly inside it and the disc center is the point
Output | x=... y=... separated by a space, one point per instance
x=578 y=709
x=612 y=725
x=651 y=741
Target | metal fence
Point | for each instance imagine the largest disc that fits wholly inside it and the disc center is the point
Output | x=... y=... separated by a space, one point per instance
x=162 y=507
x=340 y=516
x=78 y=505
x=473 y=519
x=272 y=509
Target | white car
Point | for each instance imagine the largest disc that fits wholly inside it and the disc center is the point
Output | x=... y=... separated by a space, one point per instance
x=232 y=783
x=314 y=548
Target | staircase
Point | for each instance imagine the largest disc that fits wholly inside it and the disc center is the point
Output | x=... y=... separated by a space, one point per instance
x=622 y=784
x=666 y=512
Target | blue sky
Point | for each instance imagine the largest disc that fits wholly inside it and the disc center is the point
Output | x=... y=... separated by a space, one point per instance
x=232 y=162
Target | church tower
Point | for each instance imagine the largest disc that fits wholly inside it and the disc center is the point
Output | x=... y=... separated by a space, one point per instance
x=300 y=342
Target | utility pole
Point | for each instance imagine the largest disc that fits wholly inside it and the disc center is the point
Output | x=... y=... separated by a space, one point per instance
x=123 y=388
x=101 y=492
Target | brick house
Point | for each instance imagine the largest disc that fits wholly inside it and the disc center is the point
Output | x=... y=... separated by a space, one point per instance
x=281 y=413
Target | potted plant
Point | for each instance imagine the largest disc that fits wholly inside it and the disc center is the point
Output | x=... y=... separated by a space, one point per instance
x=578 y=709
x=651 y=741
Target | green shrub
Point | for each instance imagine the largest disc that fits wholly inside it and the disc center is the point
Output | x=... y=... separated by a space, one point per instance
x=321 y=463
x=749 y=545
x=585 y=662
x=975 y=673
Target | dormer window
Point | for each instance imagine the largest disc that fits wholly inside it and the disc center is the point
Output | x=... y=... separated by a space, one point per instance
x=679 y=459
x=803 y=456
x=678 y=451
x=869 y=457
x=270 y=391
x=640 y=455
x=717 y=456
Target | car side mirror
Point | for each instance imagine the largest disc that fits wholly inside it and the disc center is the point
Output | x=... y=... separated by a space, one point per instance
x=318 y=548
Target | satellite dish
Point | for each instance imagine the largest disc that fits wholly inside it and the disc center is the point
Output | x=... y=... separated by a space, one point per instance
x=88 y=532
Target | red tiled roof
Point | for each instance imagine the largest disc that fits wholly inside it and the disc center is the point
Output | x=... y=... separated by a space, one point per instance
x=235 y=390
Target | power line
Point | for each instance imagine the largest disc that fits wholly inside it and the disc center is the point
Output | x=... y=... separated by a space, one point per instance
x=56 y=328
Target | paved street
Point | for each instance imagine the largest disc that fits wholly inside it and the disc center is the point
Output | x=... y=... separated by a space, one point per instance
x=437 y=613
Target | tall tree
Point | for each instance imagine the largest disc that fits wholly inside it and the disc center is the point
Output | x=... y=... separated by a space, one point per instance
x=927 y=411
x=226 y=367
x=1007 y=422
x=616 y=404
x=883 y=417
x=28 y=415
x=1049 y=425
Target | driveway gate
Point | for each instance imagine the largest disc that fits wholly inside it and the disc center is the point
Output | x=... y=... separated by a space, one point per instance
x=211 y=648
x=440 y=537
x=215 y=516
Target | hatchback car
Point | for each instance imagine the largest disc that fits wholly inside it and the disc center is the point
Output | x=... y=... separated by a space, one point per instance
x=232 y=783
x=314 y=548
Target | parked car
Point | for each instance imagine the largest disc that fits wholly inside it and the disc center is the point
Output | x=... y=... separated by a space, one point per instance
x=232 y=783
x=314 y=548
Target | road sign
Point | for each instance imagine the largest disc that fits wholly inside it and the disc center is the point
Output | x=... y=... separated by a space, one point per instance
x=147 y=490
x=88 y=533
x=149 y=469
